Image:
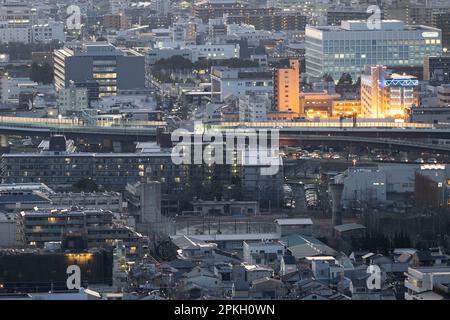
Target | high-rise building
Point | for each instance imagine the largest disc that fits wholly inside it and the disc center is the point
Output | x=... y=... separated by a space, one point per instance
x=337 y=14
x=162 y=7
x=347 y=49
x=442 y=22
x=287 y=87
x=386 y=94
x=437 y=69
x=271 y=18
x=415 y=12
x=113 y=69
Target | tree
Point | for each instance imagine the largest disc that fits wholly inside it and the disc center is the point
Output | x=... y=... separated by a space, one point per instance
x=46 y=73
x=85 y=185
x=34 y=72
x=401 y=240
x=41 y=74
x=345 y=79
x=241 y=63
x=327 y=78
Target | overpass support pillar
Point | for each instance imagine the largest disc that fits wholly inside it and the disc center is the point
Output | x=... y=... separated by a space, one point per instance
x=3 y=141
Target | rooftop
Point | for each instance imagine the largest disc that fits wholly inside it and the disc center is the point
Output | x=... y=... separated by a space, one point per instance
x=349 y=227
x=294 y=222
x=434 y=270
x=362 y=25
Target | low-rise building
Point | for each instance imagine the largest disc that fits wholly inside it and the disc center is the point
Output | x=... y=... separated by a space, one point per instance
x=263 y=252
x=230 y=207
x=98 y=226
x=302 y=226
x=317 y=104
x=426 y=283
x=254 y=107
x=194 y=249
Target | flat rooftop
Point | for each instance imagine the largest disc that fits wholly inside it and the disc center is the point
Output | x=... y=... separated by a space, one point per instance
x=436 y=270
x=362 y=25
x=294 y=222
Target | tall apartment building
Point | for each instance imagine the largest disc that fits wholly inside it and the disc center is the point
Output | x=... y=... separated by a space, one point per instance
x=348 y=48
x=442 y=22
x=271 y=18
x=386 y=94
x=111 y=68
x=337 y=14
x=287 y=87
x=415 y=13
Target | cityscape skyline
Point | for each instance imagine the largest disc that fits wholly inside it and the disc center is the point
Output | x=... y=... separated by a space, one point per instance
x=225 y=150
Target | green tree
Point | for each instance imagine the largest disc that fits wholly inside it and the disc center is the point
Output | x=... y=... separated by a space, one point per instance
x=85 y=185
x=35 y=72
x=345 y=79
x=46 y=73
x=327 y=78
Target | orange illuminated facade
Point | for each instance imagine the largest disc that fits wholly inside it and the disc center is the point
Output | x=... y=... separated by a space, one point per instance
x=385 y=94
x=317 y=104
x=287 y=88
x=346 y=108
x=281 y=116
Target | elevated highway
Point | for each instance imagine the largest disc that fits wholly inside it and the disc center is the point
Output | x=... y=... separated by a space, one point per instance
x=72 y=128
x=400 y=144
x=430 y=137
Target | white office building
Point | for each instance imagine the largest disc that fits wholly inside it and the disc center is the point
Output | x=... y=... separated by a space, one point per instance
x=254 y=107
x=347 y=48
x=15 y=23
x=212 y=51
x=239 y=82
x=9 y=34
x=48 y=32
x=72 y=99
x=192 y=52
